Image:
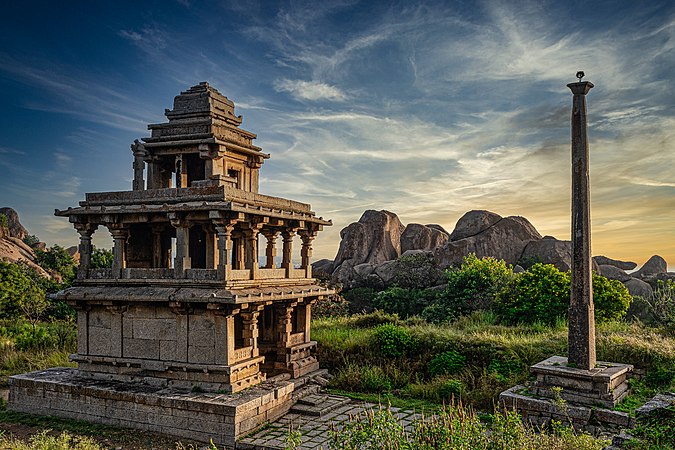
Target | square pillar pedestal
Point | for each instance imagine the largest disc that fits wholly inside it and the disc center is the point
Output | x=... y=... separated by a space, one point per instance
x=578 y=397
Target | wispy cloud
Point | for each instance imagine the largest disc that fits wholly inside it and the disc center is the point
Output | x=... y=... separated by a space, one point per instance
x=310 y=90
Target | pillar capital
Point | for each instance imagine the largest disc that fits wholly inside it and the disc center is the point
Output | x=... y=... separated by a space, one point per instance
x=581 y=87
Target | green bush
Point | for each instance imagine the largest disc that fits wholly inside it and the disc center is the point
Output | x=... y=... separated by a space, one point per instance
x=45 y=441
x=542 y=294
x=3 y=221
x=446 y=363
x=404 y=302
x=472 y=287
x=662 y=303
x=360 y=299
x=610 y=298
x=393 y=341
x=31 y=240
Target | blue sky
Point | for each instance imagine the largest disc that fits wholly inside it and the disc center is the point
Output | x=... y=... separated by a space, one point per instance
x=427 y=109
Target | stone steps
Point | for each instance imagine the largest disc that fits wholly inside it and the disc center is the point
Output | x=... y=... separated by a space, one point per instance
x=318 y=405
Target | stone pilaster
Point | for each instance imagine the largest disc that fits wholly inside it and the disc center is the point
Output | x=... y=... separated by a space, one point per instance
x=250 y=330
x=581 y=343
x=251 y=237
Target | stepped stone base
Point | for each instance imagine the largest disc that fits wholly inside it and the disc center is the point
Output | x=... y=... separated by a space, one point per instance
x=582 y=398
x=64 y=392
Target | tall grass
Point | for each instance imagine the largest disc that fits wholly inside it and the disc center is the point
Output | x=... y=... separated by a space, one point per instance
x=497 y=356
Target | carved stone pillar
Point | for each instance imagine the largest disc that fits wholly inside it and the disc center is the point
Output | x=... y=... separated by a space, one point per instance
x=85 y=248
x=271 y=249
x=182 y=261
x=224 y=230
x=251 y=238
x=287 y=252
x=211 y=251
x=284 y=325
x=250 y=330
x=120 y=236
x=307 y=236
x=140 y=153
x=239 y=264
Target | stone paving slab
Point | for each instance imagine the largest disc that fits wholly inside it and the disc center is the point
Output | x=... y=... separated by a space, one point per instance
x=314 y=428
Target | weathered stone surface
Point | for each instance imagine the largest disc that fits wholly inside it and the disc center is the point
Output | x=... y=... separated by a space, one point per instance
x=549 y=250
x=14 y=250
x=623 y=265
x=655 y=406
x=375 y=238
x=504 y=239
x=474 y=222
x=654 y=266
x=637 y=287
x=416 y=236
x=614 y=273
x=363 y=270
x=16 y=230
x=386 y=271
x=322 y=267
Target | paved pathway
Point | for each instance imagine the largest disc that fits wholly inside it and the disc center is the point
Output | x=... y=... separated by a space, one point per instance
x=313 y=416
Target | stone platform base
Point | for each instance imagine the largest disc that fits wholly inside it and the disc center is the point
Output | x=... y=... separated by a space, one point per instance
x=63 y=392
x=540 y=411
x=605 y=385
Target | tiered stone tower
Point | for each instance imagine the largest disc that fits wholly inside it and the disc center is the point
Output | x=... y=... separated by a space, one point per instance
x=187 y=303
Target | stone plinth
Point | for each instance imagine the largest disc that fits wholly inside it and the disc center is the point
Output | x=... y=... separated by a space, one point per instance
x=579 y=397
x=605 y=385
x=63 y=392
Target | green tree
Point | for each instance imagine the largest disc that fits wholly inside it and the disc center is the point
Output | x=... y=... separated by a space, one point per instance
x=57 y=259
x=101 y=258
x=31 y=240
x=19 y=293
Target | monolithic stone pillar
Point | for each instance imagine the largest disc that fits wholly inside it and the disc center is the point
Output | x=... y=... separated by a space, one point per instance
x=85 y=248
x=271 y=249
x=224 y=231
x=241 y=254
x=287 y=251
x=307 y=237
x=182 y=260
x=284 y=325
x=581 y=314
x=212 y=254
x=120 y=236
x=157 y=245
x=250 y=330
x=251 y=237
x=139 y=152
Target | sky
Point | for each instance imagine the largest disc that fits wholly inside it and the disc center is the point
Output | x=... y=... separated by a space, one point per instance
x=427 y=109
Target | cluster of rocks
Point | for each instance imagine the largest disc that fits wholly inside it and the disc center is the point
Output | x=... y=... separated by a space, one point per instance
x=12 y=247
x=370 y=247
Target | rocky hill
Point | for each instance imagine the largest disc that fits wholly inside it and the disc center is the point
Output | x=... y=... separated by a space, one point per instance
x=369 y=247
x=12 y=247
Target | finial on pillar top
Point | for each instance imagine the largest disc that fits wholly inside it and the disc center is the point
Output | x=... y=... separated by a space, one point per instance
x=580 y=87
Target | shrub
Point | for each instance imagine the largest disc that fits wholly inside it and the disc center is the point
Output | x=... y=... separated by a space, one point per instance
x=662 y=303
x=331 y=306
x=360 y=299
x=542 y=294
x=472 y=287
x=4 y=224
x=31 y=240
x=44 y=441
x=611 y=299
x=446 y=363
x=404 y=302
x=393 y=341
x=58 y=260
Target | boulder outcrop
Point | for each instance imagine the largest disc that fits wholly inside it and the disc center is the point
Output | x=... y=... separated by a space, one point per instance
x=623 y=265
x=488 y=234
x=614 y=273
x=12 y=248
x=654 y=266
x=549 y=250
x=16 y=230
x=416 y=236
